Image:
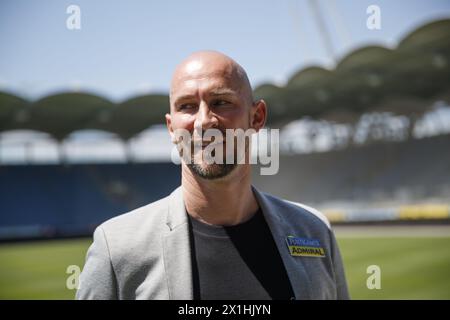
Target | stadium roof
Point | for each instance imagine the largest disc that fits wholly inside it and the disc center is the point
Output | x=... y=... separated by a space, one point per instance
x=61 y=114
x=402 y=80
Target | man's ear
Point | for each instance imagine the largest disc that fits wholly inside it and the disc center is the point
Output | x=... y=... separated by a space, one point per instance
x=259 y=115
x=169 y=125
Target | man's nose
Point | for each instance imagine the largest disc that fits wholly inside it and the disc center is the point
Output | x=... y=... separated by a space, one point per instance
x=205 y=118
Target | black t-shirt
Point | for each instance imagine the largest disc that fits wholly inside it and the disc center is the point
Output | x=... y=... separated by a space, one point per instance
x=237 y=262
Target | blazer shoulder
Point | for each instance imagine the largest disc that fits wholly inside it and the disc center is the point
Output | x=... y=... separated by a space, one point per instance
x=153 y=213
x=136 y=235
x=299 y=211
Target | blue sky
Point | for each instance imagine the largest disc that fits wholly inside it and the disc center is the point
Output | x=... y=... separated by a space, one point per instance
x=125 y=48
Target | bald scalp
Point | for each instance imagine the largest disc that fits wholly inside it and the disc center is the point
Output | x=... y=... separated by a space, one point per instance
x=204 y=64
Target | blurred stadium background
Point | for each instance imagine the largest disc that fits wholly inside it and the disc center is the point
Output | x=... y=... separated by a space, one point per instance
x=367 y=142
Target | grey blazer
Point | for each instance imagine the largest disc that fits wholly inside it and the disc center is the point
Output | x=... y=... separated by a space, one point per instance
x=145 y=254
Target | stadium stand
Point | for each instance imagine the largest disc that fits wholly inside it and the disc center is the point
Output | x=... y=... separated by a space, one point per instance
x=56 y=200
x=409 y=170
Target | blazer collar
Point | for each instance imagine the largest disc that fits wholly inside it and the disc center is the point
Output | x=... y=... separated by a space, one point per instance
x=177 y=250
x=176 y=213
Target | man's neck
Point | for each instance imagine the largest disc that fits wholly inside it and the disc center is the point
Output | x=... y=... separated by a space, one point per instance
x=226 y=201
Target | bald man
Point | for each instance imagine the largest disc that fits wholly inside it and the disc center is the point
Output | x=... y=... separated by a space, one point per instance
x=216 y=236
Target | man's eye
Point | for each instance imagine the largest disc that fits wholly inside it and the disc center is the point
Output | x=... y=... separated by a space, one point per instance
x=186 y=106
x=220 y=102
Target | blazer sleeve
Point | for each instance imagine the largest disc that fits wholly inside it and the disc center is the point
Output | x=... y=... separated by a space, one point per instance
x=339 y=272
x=97 y=280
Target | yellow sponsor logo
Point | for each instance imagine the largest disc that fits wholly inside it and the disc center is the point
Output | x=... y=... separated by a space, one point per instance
x=307 y=251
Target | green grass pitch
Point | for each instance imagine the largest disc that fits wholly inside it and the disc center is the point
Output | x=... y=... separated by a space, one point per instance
x=411 y=268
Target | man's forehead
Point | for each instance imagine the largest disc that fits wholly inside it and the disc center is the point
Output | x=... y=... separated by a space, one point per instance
x=212 y=83
x=197 y=71
x=203 y=67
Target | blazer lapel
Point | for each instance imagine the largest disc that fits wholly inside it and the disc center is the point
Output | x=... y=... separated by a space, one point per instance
x=176 y=249
x=280 y=230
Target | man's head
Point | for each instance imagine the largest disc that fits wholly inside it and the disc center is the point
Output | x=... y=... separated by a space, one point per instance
x=211 y=90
